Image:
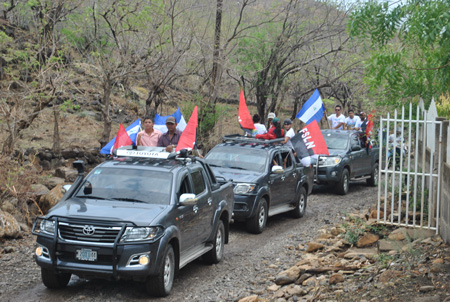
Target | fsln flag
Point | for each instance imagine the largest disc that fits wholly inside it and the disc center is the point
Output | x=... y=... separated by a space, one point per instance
x=132 y=132
x=309 y=141
x=122 y=138
x=160 y=121
x=312 y=110
x=245 y=119
x=189 y=135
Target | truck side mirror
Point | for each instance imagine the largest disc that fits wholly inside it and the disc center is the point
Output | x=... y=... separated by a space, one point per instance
x=277 y=170
x=188 y=199
x=87 y=188
x=356 y=148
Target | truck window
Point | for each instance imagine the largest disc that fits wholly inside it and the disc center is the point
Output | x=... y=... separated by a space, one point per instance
x=354 y=141
x=198 y=182
x=287 y=160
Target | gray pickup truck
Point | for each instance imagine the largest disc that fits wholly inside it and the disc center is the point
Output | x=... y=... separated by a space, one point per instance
x=268 y=179
x=142 y=216
x=350 y=159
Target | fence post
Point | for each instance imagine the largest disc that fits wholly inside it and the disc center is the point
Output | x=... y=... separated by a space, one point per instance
x=444 y=223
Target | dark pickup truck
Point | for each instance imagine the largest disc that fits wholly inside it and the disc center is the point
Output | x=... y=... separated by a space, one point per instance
x=268 y=179
x=349 y=159
x=142 y=216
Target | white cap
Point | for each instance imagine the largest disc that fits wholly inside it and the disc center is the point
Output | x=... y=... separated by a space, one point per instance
x=271 y=115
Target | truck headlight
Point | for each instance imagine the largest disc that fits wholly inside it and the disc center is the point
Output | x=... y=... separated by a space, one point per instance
x=48 y=226
x=141 y=233
x=244 y=188
x=329 y=161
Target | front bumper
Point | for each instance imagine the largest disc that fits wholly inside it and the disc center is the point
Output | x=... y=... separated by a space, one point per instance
x=244 y=206
x=328 y=174
x=122 y=264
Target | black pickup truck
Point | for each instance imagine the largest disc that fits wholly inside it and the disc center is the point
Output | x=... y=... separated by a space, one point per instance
x=142 y=216
x=268 y=179
x=350 y=159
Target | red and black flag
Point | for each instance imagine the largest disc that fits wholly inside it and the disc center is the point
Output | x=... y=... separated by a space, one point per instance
x=309 y=141
x=122 y=138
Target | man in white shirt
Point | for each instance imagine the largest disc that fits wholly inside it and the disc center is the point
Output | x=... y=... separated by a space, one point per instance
x=352 y=122
x=260 y=128
x=289 y=132
x=337 y=119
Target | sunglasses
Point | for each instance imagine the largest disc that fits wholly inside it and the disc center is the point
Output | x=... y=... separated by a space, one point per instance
x=337 y=109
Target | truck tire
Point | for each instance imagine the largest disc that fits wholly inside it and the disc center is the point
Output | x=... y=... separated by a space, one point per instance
x=342 y=186
x=257 y=223
x=300 y=207
x=216 y=254
x=373 y=180
x=161 y=284
x=54 y=280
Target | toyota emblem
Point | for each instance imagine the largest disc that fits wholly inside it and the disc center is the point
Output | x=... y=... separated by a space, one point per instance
x=88 y=230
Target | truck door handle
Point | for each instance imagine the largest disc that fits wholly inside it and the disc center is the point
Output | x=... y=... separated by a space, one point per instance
x=209 y=201
x=195 y=208
x=295 y=174
x=283 y=177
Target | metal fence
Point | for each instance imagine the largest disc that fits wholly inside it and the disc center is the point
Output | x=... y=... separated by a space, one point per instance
x=409 y=174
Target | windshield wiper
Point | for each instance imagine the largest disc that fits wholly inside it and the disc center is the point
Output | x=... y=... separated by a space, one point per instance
x=128 y=199
x=91 y=197
x=234 y=167
x=213 y=165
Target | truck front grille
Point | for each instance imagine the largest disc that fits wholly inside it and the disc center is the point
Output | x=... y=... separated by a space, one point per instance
x=88 y=233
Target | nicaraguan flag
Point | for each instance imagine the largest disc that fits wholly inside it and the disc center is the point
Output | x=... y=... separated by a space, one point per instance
x=160 y=121
x=132 y=131
x=312 y=110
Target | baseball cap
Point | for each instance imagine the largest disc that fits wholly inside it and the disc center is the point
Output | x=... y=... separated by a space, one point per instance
x=287 y=121
x=275 y=120
x=271 y=115
x=171 y=120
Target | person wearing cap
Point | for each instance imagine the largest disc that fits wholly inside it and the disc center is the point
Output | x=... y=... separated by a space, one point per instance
x=171 y=137
x=362 y=125
x=148 y=137
x=260 y=128
x=270 y=117
x=287 y=125
x=274 y=132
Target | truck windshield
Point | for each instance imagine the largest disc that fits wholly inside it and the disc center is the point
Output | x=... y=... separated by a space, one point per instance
x=336 y=141
x=237 y=158
x=128 y=185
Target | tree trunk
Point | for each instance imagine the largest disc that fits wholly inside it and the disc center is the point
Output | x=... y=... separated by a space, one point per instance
x=56 y=138
x=107 y=87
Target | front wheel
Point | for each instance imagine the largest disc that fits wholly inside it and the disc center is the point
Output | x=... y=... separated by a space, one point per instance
x=300 y=208
x=257 y=223
x=216 y=254
x=342 y=187
x=54 y=280
x=373 y=180
x=161 y=284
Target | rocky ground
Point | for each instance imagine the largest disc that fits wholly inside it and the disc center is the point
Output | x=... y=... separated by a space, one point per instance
x=309 y=259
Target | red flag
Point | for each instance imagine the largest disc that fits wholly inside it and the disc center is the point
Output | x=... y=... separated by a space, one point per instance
x=309 y=141
x=189 y=135
x=369 y=126
x=245 y=118
x=122 y=138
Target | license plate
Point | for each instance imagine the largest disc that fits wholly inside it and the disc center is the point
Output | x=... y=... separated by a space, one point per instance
x=86 y=255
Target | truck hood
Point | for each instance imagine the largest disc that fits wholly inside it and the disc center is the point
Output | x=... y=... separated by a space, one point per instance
x=142 y=214
x=237 y=175
x=334 y=152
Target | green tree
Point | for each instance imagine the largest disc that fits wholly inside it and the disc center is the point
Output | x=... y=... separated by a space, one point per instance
x=409 y=47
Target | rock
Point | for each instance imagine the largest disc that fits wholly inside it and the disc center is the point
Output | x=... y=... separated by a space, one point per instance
x=68 y=174
x=9 y=249
x=53 y=182
x=398 y=234
x=288 y=276
x=429 y=299
x=439 y=260
x=253 y=298
x=336 y=278
x=386 y=276
x=9 y=227
x=39 y=189
x=336 y=231
x=426 y=288
x=50 y=199
x=388 y=245
x=295 y=290
x=314 y=246
x=359 y=253
x=367 y=239
x=415 y=234
x=310 y=282
x=302 y=278
x=273 y=287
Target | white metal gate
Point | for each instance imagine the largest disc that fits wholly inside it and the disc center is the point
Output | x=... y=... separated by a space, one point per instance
x=410 y=169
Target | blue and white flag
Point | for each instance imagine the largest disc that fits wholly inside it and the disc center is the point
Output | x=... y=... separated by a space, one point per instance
x=160 y=121
x=132 y=131
x=312 y=110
